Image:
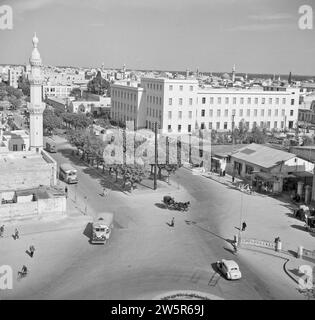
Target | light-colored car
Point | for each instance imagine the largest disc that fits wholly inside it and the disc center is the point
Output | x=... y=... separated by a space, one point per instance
x=229 y=269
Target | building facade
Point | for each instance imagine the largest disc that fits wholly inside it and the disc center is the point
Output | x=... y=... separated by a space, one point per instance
x=181 y=106
x=57 y=91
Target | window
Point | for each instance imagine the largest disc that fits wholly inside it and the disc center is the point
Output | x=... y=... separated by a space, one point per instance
x=234 y=100
x=262 y=112
x=249 y=100
x=284 y=100
x=191 y=88
x=247 y=124
x=211 y=113
x=169 y=128
x=170 y=114
x=226 y=100
x=189 y=128
x=225 y=125
x=203 y=112
x=218 y=113
x=277 y=100
x=275 y=125
x=268 y=124
x=211 y=100
x=180 y=101
x=181 y=88
x=291 y=112
x=170 y=87
x=248 y=112
x=190 y=101
x=179 y=128
x=226 y=112
x=269 y=112
x=283 y=112
x=218 y=125
x=15 y=147
x=202 y=125
x=189 y=114
x=256 y=100
x=261 y=124
x=255 y=112
x=242 y=100
x=282 y=124
x=292 y=102
x=179 y=114
x=170 y=101
x=241 y=113
x=263 y=100
x=276 y=112
x=210 y=125
x=270 y=100
x=203 y=100
x=219 y=100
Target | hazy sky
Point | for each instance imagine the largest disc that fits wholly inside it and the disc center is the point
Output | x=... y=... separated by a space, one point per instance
x=256 y=35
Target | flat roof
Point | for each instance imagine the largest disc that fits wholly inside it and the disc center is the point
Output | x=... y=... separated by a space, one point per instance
x=21 y=160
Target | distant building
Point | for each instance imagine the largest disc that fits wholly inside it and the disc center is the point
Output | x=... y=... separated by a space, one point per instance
x=58 y=91
x=16 y=140
x=181 y=106
x=58 y=103
x=96 y=107
x=13 y=76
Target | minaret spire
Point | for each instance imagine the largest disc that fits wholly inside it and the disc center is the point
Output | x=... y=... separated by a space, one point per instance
x=36 y=106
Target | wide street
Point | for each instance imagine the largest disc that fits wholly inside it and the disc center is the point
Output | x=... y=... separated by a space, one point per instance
x=144 y=257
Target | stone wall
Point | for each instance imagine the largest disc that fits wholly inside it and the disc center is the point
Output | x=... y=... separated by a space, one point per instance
x=51 y=207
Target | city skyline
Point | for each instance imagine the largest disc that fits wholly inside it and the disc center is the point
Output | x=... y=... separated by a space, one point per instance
x=258 y=36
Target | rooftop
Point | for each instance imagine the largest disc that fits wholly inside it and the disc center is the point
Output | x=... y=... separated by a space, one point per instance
x=21 y=160
x=262 y=156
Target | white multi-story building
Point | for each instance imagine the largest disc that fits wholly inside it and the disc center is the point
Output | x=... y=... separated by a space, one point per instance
x=59 y=91
x=181 y=106
x=14 y=73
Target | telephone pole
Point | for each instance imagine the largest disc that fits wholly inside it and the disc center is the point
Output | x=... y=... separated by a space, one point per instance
x=155 y=156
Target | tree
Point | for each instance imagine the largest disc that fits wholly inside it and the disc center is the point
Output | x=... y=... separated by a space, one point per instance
x=75 y=92
x=51 y=121
x=24 y=85
x=99 y=85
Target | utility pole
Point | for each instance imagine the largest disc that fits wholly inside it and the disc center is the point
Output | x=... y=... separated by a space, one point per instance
x=155 y=156
x=233 y=125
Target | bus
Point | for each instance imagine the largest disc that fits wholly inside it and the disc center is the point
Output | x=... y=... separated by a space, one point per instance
x=50 y=146
x=68 y=174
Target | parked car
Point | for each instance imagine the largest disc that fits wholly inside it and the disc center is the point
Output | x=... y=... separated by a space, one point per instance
x=230 y=269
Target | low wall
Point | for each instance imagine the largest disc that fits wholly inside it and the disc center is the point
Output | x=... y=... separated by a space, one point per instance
x=36 y=209
x=258 y=243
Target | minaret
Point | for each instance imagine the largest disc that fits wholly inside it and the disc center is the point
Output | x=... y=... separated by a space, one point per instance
x=36 y=106
x=233 y=73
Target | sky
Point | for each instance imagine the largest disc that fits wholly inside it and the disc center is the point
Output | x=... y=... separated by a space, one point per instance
x=258 y=36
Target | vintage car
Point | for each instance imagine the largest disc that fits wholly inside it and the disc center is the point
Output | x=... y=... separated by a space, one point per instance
x=229 y=269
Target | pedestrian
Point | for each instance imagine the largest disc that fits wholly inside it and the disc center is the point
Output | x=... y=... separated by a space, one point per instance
x=104 y=192
x=233 y=178
x=244 y=225
x=32 y=250
x=1 y=230
x=16 y=234
x=172 y=222
x=66 y=191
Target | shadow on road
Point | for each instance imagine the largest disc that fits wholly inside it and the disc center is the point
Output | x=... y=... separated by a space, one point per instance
x=88 y=230
x=161 y=205
x=229 y=250
x=295 y=226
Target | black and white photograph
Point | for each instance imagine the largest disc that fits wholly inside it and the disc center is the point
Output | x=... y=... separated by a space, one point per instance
x=157 y=150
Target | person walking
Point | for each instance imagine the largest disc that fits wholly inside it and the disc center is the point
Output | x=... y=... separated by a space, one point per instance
x=244 y=225
x=66 y=191
x=104 y=192
x=16 y=234
x=1 y=230
x=32 y=250
x=172 y=222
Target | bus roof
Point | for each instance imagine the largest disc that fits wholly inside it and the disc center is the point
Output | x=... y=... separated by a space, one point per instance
x=67 y=167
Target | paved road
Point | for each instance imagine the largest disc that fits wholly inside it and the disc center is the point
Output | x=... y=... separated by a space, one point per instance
x=145 y=257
